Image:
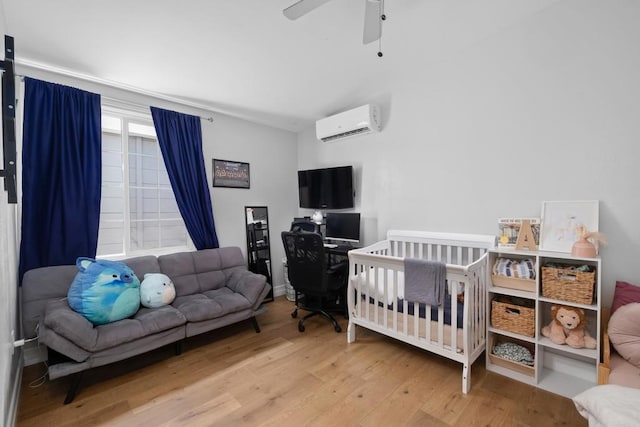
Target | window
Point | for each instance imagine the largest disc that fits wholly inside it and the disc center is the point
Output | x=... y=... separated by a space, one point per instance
x=138 y=211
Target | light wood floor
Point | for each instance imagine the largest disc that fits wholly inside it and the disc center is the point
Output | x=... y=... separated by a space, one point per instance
x=281 y=377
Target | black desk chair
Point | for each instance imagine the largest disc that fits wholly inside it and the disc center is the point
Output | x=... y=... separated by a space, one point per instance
x=310 y=275
x=304 y=225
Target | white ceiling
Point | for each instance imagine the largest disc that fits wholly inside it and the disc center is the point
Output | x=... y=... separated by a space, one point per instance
x=243 y=57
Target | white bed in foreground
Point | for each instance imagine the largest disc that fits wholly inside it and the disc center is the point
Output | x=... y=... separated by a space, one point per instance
x=609 y=405
x=376 y=284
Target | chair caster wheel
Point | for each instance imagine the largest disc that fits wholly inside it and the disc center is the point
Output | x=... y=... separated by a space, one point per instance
x=294 y=314
x=300 y=327
x=338 y=328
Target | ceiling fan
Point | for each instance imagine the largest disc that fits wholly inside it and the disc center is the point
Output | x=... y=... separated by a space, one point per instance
x=373 y=16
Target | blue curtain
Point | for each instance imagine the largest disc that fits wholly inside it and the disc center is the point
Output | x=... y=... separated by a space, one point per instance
x=61 y=175
x=180 y=139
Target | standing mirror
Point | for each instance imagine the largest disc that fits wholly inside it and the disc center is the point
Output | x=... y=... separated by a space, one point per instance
x=258 y=243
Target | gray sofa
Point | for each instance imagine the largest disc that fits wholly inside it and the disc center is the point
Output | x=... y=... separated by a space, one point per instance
x=213 y=289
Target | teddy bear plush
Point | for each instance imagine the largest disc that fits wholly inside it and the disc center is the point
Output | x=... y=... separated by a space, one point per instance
x=567 y=327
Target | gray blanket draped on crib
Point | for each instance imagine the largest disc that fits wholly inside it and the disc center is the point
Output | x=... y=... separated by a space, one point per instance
x=424 y=281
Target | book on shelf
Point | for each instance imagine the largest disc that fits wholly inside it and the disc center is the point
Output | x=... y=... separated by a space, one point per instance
x=509 y=229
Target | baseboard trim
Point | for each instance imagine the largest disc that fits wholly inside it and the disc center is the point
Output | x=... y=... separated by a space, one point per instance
x=279 y=290
x=34 y=353
x=12 y=410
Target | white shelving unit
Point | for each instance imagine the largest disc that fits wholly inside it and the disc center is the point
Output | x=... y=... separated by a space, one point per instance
x=560 y=369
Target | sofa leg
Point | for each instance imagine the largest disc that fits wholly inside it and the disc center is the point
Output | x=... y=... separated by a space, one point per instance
x=73 y=389
x=178 y=348
x=254 y=322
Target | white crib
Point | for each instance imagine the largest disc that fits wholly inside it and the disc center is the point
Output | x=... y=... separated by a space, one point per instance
x=375 y=295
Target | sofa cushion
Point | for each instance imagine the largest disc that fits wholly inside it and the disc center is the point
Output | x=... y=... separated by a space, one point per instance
x=210 y=304
x=250 y=285
x=192 y=274
x=143 y=264
x=60 y=318
x=203 y=270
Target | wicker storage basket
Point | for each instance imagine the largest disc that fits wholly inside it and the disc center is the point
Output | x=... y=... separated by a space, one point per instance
x=513 y=318
x=568 y=285
x=510 y=364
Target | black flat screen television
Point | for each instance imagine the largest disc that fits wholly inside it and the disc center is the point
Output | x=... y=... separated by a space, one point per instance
x=329 y=188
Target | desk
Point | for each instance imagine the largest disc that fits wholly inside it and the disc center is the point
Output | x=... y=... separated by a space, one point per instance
x=339 y=250
x=338 y=254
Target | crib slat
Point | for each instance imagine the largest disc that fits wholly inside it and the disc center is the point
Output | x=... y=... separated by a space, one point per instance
x=416 y=320
x=368 y=292
x=405 y=321
x=440 y=326
x=454 y=319
x=397 y=286
x=376 y=293
x=395 y=301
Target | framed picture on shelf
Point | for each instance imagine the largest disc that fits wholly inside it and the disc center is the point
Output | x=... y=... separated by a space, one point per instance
x=561 y=221
x=227 y=173
x=509 y=230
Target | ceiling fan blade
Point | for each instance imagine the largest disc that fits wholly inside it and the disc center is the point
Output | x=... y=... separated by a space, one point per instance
x=302 y=7
x=372 y=21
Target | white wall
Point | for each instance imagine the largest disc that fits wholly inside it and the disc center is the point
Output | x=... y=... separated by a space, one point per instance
x=543 y=110
x=272 y=158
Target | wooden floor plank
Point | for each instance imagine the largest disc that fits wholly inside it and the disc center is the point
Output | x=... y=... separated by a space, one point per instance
x=281 y=377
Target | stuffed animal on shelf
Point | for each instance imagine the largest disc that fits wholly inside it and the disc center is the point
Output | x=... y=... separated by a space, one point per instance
x=567 y=327
x=104 y=291
x=156 y=290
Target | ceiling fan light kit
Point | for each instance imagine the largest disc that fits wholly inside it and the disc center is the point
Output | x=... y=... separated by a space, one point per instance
x=373 y=17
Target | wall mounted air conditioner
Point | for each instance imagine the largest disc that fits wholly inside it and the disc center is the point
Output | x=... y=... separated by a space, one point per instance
x=357 y=121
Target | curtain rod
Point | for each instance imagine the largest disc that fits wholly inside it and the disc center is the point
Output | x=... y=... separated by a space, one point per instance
x=113 y=84
x=120 y=103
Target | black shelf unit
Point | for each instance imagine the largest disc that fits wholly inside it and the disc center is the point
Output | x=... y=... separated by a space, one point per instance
x=259 y=243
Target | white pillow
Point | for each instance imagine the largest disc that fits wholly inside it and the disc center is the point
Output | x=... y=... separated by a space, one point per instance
x=379 y=292
x=609 y=405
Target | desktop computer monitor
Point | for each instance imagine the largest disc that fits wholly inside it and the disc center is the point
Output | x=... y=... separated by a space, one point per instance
x=343 y=226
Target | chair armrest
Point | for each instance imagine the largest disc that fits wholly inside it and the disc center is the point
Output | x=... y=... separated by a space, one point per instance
x=248 y=284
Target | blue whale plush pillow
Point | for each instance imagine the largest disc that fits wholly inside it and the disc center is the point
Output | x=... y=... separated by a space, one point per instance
x=156 y=290
x=104 y=291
